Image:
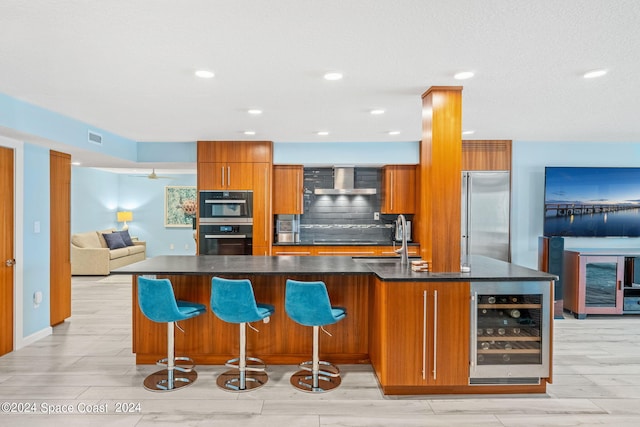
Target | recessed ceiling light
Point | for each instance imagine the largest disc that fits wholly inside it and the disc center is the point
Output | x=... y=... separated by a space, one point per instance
x=205 y=74
x=394 y=132
x=249 y=132
x=594 y=73
x=333 y=76
x=254 y=111
x=322 y=133
x=377 y=111
x=463 y=75
x=468 y=132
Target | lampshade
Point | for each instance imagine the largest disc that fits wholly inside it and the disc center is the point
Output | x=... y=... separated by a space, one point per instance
x=124 y=216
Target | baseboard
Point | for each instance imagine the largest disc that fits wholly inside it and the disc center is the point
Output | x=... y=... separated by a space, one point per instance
x=45 y=332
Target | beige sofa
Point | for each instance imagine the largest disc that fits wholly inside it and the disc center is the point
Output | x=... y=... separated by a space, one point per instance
x=90 y=255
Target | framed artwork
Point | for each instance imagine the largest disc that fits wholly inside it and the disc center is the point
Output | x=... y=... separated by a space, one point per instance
x=180 y=206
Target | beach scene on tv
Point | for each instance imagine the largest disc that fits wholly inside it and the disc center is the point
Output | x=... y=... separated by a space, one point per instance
x=592 y=202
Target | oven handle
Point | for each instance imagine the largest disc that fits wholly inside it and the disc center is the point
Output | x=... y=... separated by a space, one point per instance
x=227 y=201
x=225 y=236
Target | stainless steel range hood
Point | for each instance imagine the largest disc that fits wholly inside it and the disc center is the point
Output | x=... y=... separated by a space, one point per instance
x=343 y=183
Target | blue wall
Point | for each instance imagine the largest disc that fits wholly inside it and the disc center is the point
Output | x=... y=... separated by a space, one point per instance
x=97 y=195
x=529 y=161
x=32 y=120
x=36 y=244
x=94 y=199
x=346 y=153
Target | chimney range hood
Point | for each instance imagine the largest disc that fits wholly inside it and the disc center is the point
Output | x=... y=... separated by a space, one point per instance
x=343 y=183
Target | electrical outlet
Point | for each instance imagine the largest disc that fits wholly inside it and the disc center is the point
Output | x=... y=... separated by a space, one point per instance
x=171 y=246
x=376 y=216
x=186 y=246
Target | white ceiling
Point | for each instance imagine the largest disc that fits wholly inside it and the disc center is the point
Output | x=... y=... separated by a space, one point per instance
x=127 y=66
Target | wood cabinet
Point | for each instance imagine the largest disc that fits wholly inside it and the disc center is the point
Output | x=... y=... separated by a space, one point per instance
x=228 y=165
x=262 y=215
x=433 y=348
x=347 y=250
x=413 y=250
x=593 y=284
x=294 y=250
x=288 y=186
x=486 y=155
x=234 y=151
x=398 y=189
x=225 y=176
x=242 y=166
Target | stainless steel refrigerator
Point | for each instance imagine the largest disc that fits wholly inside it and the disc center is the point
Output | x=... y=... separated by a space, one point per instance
x=486 y=206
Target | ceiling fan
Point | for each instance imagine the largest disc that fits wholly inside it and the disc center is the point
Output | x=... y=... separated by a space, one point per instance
x=153 y=175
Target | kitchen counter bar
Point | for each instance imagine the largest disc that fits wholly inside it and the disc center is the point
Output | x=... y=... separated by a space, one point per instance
x=381 y=298
x=386 y=269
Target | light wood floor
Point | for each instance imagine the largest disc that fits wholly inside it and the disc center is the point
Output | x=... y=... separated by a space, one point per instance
x=88 y=361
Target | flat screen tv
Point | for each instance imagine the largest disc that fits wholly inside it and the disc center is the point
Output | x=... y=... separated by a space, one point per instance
x=592 y=202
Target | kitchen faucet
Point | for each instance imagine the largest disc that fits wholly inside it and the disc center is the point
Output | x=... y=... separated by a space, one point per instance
x=404 y=249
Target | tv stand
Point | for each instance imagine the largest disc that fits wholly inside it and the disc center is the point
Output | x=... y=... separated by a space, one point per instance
x=601 y=281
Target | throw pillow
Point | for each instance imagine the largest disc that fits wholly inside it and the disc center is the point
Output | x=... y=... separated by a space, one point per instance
x=114 y=241
x=125 y=237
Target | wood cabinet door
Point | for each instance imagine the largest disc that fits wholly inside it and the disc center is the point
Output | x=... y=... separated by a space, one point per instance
x=294 y=250
x=347 y=250
x=262 y=216
x=234 y=151
x=399 y=189
x=212 y=176
x=288 y=189
x=433 y=348
x=239 y=176
x=448 y=309
x=225 y=176
x=601 y=285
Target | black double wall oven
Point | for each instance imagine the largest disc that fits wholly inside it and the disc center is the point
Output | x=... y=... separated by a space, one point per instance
x=225 y=223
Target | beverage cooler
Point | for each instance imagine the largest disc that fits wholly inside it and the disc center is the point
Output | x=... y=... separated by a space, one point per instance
x=510 y=328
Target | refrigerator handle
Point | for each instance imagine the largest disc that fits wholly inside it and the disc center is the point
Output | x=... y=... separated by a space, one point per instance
x=466 y=186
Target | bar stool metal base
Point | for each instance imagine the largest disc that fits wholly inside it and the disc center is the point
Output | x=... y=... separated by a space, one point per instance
x=328 y=377
x=182 y=367
x=249 y=376
x=231 y=381
x=163 y=380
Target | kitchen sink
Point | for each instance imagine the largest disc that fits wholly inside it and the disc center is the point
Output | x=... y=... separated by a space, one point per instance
x=380 y=260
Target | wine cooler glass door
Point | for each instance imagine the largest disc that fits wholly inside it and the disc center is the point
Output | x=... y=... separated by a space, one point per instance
x=510 y=330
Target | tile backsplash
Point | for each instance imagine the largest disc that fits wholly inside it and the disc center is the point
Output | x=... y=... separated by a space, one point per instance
x=334 y=218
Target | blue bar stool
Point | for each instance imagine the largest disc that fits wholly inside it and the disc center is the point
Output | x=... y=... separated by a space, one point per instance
x=158 y=303
x=233 y=301
x=307 y=303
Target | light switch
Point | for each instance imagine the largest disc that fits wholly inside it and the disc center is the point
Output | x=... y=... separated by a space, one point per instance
x=36 y=226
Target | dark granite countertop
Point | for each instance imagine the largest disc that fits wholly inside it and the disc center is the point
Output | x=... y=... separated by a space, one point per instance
x=631 y=252
x=343 y=243
x=387 y=269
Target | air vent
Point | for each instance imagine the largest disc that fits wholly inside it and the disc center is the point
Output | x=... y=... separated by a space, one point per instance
x=96 y=138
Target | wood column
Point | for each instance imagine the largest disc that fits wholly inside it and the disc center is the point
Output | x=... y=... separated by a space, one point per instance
x=440 y=178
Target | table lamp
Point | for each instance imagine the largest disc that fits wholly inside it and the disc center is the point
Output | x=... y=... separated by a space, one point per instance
x=124 y=216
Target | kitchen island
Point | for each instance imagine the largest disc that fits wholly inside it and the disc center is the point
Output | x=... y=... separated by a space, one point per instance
x=415 y=328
